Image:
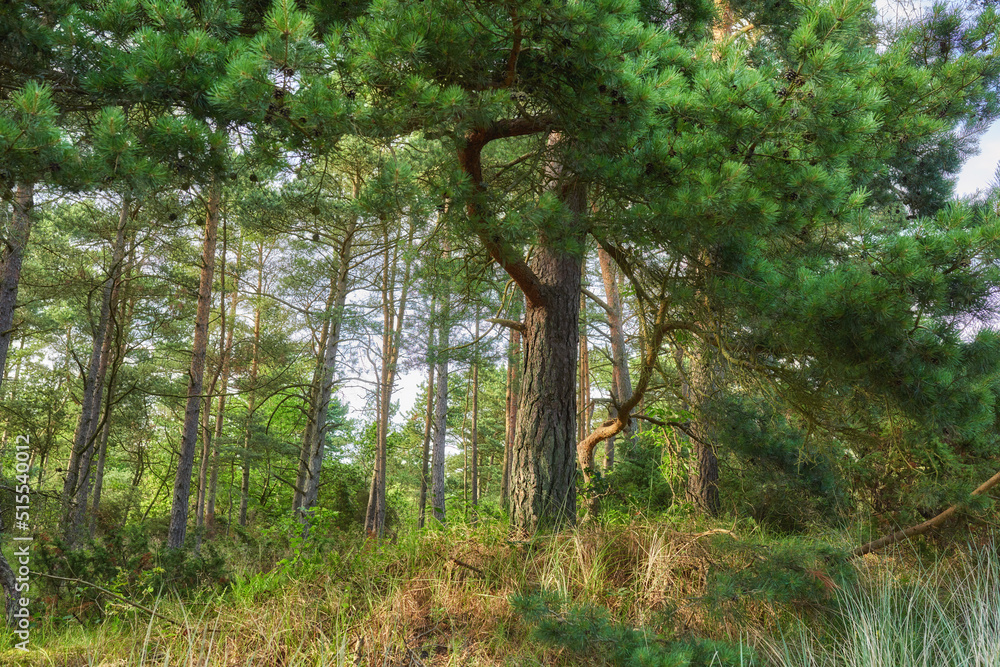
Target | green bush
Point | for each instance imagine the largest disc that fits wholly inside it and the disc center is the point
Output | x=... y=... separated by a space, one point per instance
x=589 y=632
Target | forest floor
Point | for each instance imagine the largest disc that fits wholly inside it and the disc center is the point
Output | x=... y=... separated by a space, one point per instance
x=639 y=594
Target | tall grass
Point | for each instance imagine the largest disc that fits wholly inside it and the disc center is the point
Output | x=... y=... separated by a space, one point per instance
x=941 y=615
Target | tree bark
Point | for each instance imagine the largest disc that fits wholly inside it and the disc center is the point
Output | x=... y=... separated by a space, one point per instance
x=76 y=486
x=621 y=382
x=698 y=387
x=314 y=442
x=252 y=401
x=921 y=528
x=428 y=420
x=11 y=258
x=441 y=404
x=543 y=468
x=393 y=318
x=196 y=375
x=513 y=392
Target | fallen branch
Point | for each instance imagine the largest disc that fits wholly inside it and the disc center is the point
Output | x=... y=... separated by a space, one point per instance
x=921 y=528
x=114 y=595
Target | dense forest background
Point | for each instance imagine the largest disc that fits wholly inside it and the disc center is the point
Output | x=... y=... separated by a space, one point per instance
x=681 y=279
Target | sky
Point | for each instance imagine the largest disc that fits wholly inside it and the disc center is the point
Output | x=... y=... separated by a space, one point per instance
x=979 y=170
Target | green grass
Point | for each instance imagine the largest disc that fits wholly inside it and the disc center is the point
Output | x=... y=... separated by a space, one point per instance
x=946 y=614
x=445 y=598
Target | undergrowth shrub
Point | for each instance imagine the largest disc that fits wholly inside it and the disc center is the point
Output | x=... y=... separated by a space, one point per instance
x=125 y=563
x=794 y=574
x=588 y=632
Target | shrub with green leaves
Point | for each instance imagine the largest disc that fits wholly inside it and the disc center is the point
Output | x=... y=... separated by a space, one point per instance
x=588 y=631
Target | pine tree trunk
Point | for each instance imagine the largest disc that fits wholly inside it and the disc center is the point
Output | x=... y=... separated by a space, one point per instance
x=206 y=458
x=229 y=325
x=314 y=443
x=428 y=420
x=475 y=423
x=393 y=316
x=583 y=396
x=441 y=407
x=76 y=486
x=11 y=258
x=543 y=469
x=513 y=392
x=621 y=383
x=226 y=327
x=126 y=310
x=252 y=406
x=698 y=388
x=99 y=474
x=196 y=375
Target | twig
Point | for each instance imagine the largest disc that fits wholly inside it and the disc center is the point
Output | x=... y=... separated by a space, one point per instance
x=114 y=595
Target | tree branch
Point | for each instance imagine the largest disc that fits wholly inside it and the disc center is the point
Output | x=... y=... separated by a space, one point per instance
x=921 y=528
x=596 y=299
x=510 y=324
x=114 y=595
x=470 y=159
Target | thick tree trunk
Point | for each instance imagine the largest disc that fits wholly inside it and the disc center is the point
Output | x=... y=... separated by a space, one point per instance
x=76 y=486
x=196 y=375
x=621 y=383
x=11 y=258
x=543 y=469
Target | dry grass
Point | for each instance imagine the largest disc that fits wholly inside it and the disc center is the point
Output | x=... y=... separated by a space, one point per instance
x=441 y=598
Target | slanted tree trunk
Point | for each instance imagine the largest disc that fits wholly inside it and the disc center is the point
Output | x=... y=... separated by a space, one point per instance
x=125 y=312
x=76 y=486
x=11 y=258
x=314 y=441
x=393 y=316
x=196 y=375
